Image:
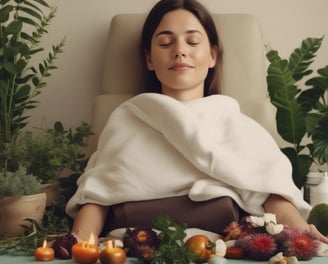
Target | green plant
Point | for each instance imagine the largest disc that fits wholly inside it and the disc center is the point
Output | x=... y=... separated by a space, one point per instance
x=172 y=248
x=302 y=108
x=18 y=183
x=47 y=152
x=26 y=244
x=22 y=25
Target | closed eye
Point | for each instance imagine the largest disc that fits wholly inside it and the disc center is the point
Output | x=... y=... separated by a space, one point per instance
x=193 y=43
x=165 y=44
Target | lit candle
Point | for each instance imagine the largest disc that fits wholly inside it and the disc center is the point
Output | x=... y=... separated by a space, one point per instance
x=112 y=254
x=85 y=252
x=44 y=253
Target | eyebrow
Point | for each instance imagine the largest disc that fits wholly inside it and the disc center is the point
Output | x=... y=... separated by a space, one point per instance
x=168 y=32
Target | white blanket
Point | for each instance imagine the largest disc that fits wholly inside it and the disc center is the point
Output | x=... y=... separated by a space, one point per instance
x=154 y=146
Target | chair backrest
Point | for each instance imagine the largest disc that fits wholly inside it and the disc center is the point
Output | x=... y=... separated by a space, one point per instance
x=244 y=69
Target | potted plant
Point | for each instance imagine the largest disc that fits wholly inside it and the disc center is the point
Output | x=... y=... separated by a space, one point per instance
x=20 y=198
x=22 y=25
x=49 y=154
x=302 y=107
x=22 y=77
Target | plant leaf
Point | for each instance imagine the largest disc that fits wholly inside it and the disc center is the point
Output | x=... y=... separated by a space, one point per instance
x=282 y=91
x=31 y=12
x=320 y=141
x=42 y=2
x=302 y=57
x=4 y=13
x=9 y=67
x=301 y=165
x=23 y=91
x=28 y=20
x=14 y=27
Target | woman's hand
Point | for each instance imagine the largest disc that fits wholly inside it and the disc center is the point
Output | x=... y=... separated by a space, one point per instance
x=288 y=215
x=315 y=232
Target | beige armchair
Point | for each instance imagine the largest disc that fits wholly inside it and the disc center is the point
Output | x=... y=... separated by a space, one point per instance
x=244 y=77
x=244 y=70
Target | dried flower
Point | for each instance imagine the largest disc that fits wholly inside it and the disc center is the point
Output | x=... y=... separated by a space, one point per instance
x=301 y=245
x=141 y=242
x=63 y=246
x=232 y=231
x=258 y=246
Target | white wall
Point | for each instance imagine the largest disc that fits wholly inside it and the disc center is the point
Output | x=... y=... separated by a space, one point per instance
x=71 y=89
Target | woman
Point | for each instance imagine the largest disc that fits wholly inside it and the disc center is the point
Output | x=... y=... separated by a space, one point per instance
x=182 y=53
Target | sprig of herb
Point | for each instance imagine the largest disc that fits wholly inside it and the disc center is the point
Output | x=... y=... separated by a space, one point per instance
x=172 y=249
x=26 y=244
x=55 y=223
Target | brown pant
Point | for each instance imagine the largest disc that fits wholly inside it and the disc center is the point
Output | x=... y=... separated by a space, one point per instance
x=212 y=215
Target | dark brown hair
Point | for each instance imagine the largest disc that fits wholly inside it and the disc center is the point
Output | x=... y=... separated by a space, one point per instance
x=212 y=81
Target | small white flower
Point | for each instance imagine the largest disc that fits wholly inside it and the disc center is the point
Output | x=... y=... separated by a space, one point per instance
x=269 y=218
x=292 y=260
x=214 y=259
x=278 y=259
x=256 y=220
x=274 y=229
x=220 y=248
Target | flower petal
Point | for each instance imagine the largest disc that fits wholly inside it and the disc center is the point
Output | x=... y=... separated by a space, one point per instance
x=256 y=220
x=269 y=218
x=274 y=229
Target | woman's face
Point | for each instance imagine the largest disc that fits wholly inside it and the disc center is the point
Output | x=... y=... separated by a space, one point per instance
x=181 y=55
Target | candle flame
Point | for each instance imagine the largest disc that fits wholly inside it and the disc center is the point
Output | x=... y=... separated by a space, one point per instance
x=44 y=245
x=92 y=239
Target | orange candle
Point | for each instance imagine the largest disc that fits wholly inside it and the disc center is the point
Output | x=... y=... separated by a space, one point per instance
x=112 y=254
x=44 y=253
x=85 y=252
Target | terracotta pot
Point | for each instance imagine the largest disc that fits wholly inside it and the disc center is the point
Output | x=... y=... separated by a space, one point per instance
x=14 y=210
x=52 y=192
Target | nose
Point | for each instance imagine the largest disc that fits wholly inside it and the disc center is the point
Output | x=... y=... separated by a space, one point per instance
x=179 y=50
x=179 y=54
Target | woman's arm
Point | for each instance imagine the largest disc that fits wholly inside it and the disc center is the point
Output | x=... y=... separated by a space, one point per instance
x=90 y=219
x=287 y=214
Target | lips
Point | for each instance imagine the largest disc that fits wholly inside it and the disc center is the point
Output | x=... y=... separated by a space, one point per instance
x=180 y=67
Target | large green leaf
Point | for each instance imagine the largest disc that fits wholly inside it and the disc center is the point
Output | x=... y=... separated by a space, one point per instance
x=309 y=98
x=311 y=121
x=320 y=141
x=282 y=91
x=301 y=165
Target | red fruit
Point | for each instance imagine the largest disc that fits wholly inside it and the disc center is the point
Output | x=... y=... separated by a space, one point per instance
x=234 y=253
x=201 y=246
